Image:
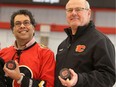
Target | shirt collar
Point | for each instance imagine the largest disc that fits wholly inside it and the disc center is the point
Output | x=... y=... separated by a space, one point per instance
x=32 y=41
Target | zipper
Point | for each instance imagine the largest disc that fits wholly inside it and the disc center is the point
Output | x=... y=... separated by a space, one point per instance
x=69 y=46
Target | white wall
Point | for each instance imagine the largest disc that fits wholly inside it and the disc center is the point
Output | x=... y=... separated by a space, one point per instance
x=57 y=16
x=42 y=15
x=107 y=19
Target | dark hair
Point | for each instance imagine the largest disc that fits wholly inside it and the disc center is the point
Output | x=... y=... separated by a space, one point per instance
x=24 y=12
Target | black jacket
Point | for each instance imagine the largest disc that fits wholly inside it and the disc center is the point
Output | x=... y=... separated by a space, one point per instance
x=90 y=54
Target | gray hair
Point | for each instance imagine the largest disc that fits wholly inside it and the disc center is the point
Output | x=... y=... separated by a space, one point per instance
x=87 y=4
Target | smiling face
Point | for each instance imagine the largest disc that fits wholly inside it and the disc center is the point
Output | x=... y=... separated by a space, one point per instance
x=23 y=29
x=77 y=13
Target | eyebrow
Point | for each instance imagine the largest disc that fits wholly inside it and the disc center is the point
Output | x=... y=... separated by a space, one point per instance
x=24 y=20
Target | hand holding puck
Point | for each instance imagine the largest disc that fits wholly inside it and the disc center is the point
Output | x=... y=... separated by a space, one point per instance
x=65 y=74
x=11 y=65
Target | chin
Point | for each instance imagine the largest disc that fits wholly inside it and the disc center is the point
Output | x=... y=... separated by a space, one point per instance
x=75 y=24
x=24 y=37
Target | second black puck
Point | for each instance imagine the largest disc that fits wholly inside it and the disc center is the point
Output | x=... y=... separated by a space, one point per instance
x=65 y=73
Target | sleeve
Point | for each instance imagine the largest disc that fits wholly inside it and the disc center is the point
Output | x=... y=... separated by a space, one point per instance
x=47 y=72
x=103 y=74
x=28 y=82
x=2 y=77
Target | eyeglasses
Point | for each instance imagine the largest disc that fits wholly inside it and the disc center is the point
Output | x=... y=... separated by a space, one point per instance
x=69 y=10
x=25 y=23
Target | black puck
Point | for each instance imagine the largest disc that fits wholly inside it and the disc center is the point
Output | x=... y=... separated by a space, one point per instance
x=11 y=65
x=65 y=73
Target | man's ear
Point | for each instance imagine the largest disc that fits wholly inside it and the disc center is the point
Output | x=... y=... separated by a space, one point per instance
x=33 y=31
x=12 y=30
x=89 y=13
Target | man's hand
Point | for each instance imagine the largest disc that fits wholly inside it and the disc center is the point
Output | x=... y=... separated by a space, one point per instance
x=14 y=74
x=72 y=81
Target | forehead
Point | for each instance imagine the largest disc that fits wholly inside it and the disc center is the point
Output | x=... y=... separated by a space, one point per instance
x=75 y=3
x=21 y=17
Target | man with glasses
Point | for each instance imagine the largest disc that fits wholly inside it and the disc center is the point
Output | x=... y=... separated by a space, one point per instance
x=32 y=64
x=88 y=54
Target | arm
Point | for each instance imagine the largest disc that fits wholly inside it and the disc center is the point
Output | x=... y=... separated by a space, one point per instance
x=28 y=82
x=47 y=71
x=2 y=77
x=103 y=74
x=104 y=65
x=24 y=81
x=48 y=67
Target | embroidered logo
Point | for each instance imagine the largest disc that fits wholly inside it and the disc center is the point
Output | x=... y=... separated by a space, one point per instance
x=43 y=46
x=41 y=84
x=80 y=48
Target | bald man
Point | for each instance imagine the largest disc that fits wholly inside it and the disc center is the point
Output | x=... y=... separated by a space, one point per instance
x=87 y=53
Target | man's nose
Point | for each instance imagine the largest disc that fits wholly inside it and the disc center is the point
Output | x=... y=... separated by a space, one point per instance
x=22 y=25
x=74 y=11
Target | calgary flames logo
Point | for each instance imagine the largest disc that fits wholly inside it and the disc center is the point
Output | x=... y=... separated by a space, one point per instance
x=80 y=48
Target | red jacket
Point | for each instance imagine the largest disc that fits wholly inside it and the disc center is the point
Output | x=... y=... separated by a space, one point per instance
x=36 y=62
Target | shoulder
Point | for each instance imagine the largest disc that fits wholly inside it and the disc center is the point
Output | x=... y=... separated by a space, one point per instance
x=45 y=52
x=7 y=49
x=43 y=48
x=7 y=52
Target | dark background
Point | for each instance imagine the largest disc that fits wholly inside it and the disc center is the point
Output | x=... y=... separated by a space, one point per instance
x=93 y=3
